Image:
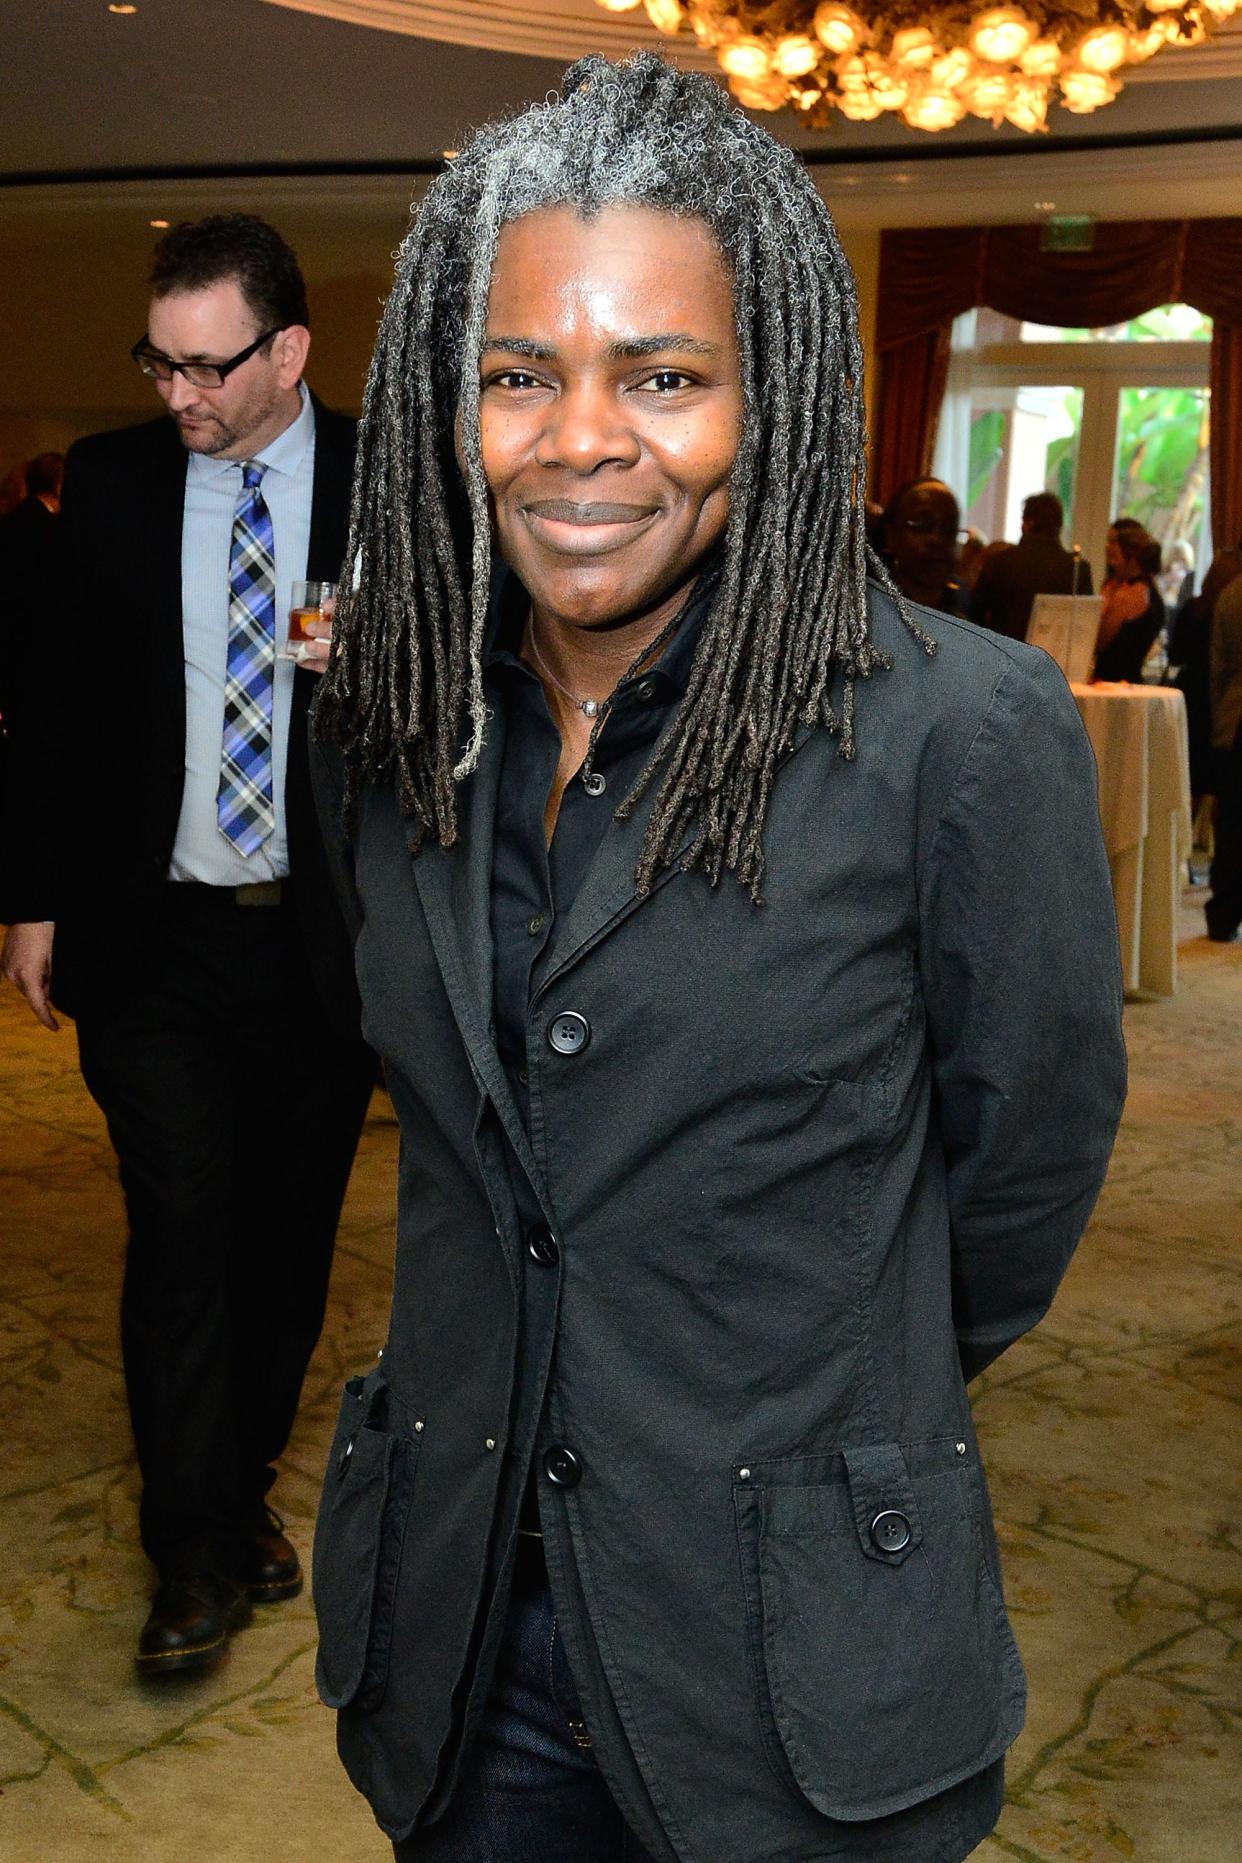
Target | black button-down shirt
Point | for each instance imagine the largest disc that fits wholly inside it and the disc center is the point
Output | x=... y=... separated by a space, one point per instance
x=532 y=882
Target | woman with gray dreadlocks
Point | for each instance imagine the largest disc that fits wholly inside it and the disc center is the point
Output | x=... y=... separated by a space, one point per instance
x=740 y=947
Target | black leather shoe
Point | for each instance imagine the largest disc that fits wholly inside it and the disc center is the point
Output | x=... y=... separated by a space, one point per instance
x=269 y=1569
x=192 y=1618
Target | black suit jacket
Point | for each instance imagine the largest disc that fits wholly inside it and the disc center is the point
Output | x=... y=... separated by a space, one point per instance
x=99 y=760
x=1009 y=582
x=815 y=1161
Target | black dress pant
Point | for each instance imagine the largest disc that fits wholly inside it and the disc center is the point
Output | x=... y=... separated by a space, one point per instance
x=235 y=1113
x=1224 y=908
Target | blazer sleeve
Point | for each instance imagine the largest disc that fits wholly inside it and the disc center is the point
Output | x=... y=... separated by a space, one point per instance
x=327 y=782
x=1021 y=978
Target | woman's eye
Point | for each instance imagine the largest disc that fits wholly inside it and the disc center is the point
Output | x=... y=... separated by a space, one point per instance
x=513 y=378
x=667 y=381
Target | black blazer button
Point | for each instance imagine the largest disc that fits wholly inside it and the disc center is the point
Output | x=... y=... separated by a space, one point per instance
x=562 y=1467
x=569 y=1033
x=890 y=1531
x=541 y=1247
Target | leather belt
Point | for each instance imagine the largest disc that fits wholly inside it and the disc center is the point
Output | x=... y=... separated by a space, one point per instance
x=257 y=893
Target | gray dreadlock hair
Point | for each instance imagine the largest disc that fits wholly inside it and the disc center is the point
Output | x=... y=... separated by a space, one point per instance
x=404 y=693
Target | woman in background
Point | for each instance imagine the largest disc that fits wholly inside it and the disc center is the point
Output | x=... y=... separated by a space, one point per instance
x=1131 y=611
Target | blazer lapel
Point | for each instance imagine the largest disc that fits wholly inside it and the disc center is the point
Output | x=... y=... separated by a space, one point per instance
x=608 y=894
x=330 y=496
x=455 y=886
x=161 y=500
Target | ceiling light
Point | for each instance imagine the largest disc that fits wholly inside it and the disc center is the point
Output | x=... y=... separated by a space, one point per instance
x=117 y=7
x=1005 y=63
x=158 y=223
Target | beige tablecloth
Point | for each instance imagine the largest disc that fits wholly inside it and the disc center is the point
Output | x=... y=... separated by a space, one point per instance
x=1138 y=734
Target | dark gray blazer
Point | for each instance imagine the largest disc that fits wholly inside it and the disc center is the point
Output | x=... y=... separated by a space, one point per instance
x=817 y=1163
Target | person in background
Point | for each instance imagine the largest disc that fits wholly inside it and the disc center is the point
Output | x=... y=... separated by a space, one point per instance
x=970 y=557
x=1131 y=611
x=1224 y=906
x=27 y=572
x=741 y=946
x=1190 y=659
x=920 y=532
x=167 y=887
x=1037 y=564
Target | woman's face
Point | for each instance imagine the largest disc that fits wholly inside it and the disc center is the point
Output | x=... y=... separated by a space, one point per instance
x=610 y=409
x=1116 y=557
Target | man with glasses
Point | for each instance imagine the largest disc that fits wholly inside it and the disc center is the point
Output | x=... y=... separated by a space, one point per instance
x=920 y=540
x=166 y=887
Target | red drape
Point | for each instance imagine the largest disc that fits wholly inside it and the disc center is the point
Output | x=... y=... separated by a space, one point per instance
x=929 y=276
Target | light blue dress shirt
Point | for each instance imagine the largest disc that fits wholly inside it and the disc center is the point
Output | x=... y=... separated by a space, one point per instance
x=212 y=488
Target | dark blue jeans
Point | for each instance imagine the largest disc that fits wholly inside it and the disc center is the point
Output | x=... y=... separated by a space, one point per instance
x=530 y=1791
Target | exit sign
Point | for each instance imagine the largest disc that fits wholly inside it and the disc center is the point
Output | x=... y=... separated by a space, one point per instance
x=1068 y=232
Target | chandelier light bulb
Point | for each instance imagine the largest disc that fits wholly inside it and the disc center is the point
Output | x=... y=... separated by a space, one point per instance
x=851 y=75
x=665 y=15
x=1027 y=108
x=952 y=70
x=860 y=106
x=1222 y=9
x=1084 y=91
x=1104 y=48
x=1042 y=59
x=838 y=28
x=934 y=109
x=770 y=93
x=988 y=95
x=914 y=47
x=795 y=55
x=1002 y=34
x=618 y=6
x=890 y=89
x=747 y=58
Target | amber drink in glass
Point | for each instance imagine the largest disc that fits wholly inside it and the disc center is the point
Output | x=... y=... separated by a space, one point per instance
x=307 y=605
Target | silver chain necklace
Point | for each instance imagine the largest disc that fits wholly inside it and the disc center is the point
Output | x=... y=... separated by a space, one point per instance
x=588 y=707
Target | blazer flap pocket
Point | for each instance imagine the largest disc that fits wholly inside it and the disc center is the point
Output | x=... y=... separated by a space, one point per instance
x=358 y=1534
x=891 y=1670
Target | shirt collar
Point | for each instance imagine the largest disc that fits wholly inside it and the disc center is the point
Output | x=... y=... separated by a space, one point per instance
x=666 y=680
x=283 y=455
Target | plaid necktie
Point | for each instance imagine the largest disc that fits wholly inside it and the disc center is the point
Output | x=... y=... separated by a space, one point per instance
x=245 y=813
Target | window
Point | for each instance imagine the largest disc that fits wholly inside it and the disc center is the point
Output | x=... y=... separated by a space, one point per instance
x=1115 y=421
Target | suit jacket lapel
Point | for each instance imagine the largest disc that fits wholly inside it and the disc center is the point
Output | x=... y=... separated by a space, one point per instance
x=161 y=502
x=608 y=894
x=455 y=886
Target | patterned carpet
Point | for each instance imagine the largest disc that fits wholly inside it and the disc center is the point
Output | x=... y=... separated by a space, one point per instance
x=1112 y=1437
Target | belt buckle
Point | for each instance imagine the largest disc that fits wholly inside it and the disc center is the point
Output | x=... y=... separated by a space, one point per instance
x=261 y=893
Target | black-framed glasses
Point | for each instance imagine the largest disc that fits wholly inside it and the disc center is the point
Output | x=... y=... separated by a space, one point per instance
x=932 y=527
x=198 y=374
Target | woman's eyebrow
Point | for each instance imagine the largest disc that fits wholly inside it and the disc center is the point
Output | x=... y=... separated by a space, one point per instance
x=625 y=349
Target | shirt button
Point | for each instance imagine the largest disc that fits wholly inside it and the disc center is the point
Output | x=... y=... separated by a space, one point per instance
x=524 y=1076
x=645 y=690
x=594 y=784
x=562 y=1467
x=569 y=1033
x=536 y=924
x=890 y=1531
x=541 y=1246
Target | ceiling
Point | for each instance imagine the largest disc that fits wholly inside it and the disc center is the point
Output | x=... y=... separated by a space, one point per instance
x=103 y=113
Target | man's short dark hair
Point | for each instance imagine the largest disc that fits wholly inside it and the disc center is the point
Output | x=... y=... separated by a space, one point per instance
x=198 y=253
x=44 y=473
x=1044 y=514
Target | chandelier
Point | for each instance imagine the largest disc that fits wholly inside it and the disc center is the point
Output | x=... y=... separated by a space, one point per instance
x=931 y=65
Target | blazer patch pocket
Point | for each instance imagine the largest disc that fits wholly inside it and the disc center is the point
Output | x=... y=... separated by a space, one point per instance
x=359 y=1534
x=886 y=1666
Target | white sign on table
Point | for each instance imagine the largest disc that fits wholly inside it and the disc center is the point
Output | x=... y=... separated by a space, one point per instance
x=1065 y=626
